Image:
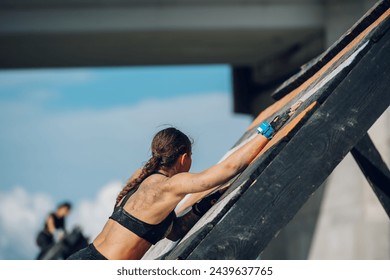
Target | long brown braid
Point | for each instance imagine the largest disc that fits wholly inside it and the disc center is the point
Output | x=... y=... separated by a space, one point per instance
x=167 y=145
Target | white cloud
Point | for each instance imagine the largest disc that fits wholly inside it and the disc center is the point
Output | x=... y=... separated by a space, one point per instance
x=21 y=217
x=89 y=147
x=91 y=215
x=68 y=154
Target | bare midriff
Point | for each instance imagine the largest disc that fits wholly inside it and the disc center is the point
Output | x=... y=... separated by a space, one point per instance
x=115 y=242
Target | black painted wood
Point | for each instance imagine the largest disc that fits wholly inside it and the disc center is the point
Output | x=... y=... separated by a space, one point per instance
x=242 y=183
x=245 y=179
x=305 y=162
x=255 y=177
x=314 y=65
x=374 y=168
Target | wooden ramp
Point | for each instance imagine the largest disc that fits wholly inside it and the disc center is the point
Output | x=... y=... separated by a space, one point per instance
x=343 y=92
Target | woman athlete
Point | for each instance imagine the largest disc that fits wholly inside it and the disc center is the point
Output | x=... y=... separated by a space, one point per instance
x=144 y=209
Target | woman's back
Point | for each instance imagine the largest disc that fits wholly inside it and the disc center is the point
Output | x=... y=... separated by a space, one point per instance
x=145 y=206
x=151 y=204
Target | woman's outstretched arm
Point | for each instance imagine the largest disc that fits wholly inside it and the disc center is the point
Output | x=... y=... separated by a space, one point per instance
x=184 y=183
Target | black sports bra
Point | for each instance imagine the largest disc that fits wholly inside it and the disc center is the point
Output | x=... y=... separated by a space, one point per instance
x=150 y=232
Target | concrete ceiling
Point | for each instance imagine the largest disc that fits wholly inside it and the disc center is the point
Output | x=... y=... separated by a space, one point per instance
x=64 y=33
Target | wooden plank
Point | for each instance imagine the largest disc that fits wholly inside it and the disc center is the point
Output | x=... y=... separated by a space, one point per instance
x=313 y=66
x=239 y=186
x=317 y=92
x=304 y=163
x=374 y=168
x=350 y=47
x=285 y=131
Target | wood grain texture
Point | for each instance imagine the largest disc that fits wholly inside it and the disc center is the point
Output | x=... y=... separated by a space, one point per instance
x=314 y=65
x=286 y=129
x=342 y=99
x=342 y=63
x=304 y=163
x=350 y=47
x=239 y=185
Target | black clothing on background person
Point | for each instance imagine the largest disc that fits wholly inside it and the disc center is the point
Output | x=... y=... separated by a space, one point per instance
x=59 y=222
x=54 y=222
x=45 y=239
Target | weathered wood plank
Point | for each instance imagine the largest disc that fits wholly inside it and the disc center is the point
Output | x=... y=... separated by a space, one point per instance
x=286 y=130
x=316 y=92
x=305 y=162
x=193 y=198
x=318 y=88
x=239 y=186
x=374 y=168
x=347 y=50
x=313 y=66
x=339 y=67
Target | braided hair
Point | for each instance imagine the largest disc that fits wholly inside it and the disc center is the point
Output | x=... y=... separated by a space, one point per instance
x=167 y=145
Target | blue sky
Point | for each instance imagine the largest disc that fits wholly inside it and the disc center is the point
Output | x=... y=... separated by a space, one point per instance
x=78 y=134
x=101 y=88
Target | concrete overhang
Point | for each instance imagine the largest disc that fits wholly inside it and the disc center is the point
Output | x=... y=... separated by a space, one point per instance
x=63 y=33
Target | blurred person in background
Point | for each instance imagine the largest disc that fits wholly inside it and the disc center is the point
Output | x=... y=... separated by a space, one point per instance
x=54 y=229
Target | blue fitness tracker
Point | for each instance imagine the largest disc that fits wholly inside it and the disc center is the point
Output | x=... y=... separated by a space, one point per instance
x=266 y=129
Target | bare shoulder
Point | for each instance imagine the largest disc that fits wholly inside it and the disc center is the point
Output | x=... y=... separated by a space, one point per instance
x=185 y=183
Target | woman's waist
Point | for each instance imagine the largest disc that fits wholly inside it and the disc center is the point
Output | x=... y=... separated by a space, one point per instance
x=116 y=242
